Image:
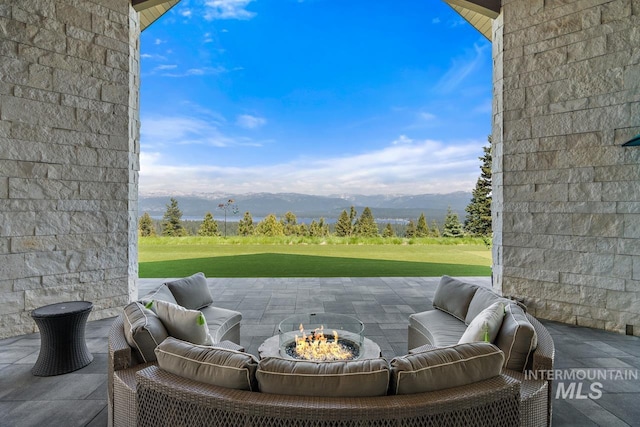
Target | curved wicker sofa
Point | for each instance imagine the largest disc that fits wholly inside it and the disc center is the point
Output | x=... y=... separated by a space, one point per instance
x=143 y=394
x=455 y=304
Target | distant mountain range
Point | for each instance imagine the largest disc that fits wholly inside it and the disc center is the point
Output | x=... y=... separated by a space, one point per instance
x=305 y=206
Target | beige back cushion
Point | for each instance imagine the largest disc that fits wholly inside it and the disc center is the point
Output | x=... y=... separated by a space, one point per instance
x=445 y=367
x=517 y=338
x=453 y=296
x=358 y=378
x=211 y=365
x=143 y=331
x=482 y=299
x=191 y=292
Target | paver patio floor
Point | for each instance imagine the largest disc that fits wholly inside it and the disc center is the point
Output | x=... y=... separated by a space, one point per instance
x=383 y=304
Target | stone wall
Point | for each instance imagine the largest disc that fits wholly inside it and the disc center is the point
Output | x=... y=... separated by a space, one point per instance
x=69 y=138
x=566 y=194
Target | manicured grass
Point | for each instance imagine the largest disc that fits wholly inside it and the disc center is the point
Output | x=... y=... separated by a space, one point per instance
x=177 y=257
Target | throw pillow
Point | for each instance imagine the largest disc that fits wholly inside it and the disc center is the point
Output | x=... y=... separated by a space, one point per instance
x=445 y=367
x=212 y=365
x=356 y=378
x=143 y=331
x=191 y=292
x=184 y=324
x=485 y=326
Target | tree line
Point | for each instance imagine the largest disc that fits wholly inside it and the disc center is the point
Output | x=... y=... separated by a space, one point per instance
x=477 y=221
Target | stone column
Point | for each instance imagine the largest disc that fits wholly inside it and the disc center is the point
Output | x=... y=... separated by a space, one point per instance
x=69 y=138
x=567 y=194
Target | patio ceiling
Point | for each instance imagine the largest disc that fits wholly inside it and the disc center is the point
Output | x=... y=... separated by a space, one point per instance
x=479 y=13
x=151 y=10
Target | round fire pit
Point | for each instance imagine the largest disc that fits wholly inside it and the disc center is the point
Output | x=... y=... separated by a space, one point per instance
x=321 y=337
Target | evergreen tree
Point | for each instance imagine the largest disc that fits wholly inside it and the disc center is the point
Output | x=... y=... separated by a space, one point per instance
x=245 y=225
x=343 y=226
x=270 y=226
x=172 y=220
x=353 y=214
x=435 y=229
x=145 y=226
x=290 y=224
x=410 y=232
x=452 y=226
x=209 y=227
x=388 y=231
x=366 y=225
x=318 y=229
x=478 y=219
x=422 y=230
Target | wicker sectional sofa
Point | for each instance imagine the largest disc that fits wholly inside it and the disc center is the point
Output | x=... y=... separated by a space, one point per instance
x=460 y=384
x=528 y=346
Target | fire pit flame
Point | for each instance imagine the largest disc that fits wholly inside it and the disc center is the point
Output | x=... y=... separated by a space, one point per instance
x=317 y=346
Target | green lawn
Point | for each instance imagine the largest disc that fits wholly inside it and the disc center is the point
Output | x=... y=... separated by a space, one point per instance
x=178 y=257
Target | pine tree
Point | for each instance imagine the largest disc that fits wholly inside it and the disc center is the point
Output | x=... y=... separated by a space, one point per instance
x=478 y=219
x=245 y=225
x=270 y=226
x=388 y=231
x=145 y=226
x=209 y=227
x=172 y=220
x=435 y=229
x=422 y=230
x=290 y=224
x=452 y=226
x=366 y=225
x=343 y=226
x=410 y=232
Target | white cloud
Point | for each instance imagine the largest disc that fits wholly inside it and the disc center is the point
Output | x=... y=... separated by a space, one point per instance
x=462 y=66
x=158 y=41
x=435 y=21
x=166 y=67
x=186 y=13
x=198 y=72
x=227 y=9
x=154 y=57
x=248 y=121
x=427 y=117
x=411 y=167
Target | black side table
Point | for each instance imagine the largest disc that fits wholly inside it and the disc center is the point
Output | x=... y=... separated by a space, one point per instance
x=62 y=345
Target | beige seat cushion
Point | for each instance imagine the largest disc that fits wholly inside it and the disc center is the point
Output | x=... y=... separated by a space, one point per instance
x=440 y=328
x=517 y=338
x=208 y=364
x=143 y=331
x=453 y=296
x=220 y=320
x=445 y=367
x=358 y=378
x=486 y=325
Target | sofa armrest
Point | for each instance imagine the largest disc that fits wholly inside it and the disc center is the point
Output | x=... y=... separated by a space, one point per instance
x=544 y=354
x=120 y=356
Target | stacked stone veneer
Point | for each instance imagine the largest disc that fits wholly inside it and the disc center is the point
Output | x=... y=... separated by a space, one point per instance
x=69 y=150
x=566 y=194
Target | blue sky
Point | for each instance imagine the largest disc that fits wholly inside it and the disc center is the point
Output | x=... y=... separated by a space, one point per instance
x=313 y=96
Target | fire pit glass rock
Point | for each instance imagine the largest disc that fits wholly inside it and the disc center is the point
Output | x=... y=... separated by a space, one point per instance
x=321 y=337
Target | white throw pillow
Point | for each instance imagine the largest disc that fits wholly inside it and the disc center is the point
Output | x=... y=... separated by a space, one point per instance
x=486 y=325
x=182 y=323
